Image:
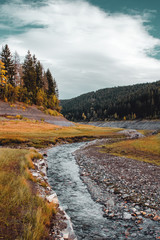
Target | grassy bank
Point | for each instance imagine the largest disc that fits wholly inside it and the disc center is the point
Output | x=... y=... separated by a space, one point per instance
x=144 y=149
x=39 y=134
x=23 y=215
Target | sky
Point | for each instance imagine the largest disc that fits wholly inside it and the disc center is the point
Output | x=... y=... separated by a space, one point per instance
x=87 y=44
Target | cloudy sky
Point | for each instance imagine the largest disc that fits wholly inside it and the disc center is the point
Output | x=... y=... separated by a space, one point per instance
x=87 y=44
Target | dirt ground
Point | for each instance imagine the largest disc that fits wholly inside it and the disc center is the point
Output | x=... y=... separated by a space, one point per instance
x=31 y=112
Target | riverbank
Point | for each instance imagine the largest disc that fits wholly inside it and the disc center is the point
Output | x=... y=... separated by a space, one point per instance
x=60 y=223
x=134 y=124
x=128 y=189
x=21 y=136
x=26 y=134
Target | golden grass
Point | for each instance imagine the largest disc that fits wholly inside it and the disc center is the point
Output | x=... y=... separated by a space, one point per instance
x=40 y=134
x=23 y=215
x=144 y=149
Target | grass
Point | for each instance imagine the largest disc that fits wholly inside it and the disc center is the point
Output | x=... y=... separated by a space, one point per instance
x=40 y=134
x=23 y=215
x=144 y=149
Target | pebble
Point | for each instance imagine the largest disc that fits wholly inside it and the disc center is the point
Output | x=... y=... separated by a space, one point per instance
x=127 y=216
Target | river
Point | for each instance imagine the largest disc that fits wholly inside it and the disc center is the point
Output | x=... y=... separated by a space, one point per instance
x=86 y=215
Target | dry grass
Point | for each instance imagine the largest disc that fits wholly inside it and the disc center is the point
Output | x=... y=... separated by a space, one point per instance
x=23 y=215
x=39 y=134
x=145 y=149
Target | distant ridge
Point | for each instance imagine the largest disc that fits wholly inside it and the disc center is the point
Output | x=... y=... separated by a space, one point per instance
x=140 y=101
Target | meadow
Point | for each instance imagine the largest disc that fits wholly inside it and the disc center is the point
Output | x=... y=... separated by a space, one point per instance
x=145 y=149
x=32 y=133
x=23 y=214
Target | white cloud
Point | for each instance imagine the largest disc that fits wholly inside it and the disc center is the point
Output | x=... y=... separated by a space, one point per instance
x=85 y=48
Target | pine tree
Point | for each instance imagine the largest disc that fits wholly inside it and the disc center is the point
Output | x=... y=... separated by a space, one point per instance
x=6 y=58
x=51 y=83
x=29 y=76
x=39 y=75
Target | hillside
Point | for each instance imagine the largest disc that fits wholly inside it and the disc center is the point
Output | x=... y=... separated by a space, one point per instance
x=140 y=101
x=22 y=111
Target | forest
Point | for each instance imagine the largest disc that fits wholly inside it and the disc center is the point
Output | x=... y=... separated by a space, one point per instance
x=140 y=101
x=27 y=82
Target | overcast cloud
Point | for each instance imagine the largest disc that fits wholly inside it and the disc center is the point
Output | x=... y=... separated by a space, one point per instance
x=85 y=48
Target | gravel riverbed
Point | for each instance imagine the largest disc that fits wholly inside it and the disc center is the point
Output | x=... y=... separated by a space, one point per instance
x=129 y=190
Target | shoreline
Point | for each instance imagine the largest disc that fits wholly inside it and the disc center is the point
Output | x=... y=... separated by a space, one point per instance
x=128 y=124
x=116 y=190
x=61 y=225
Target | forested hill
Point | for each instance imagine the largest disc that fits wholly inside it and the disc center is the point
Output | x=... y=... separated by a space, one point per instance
x=140 y=101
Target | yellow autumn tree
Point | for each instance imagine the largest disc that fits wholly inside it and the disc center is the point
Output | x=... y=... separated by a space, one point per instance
x=3 y=78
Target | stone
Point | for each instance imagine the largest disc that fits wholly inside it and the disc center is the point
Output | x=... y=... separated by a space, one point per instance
x=45 y=154
x=156 y=218
x=127 y=216
x=133 y=235
x=53 y=198
x=35 y=174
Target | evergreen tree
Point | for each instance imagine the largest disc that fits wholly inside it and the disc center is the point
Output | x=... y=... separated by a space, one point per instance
x=6 y=58
x=45 y=82
x=29 y=76
x=39 y=77
x=51 y=83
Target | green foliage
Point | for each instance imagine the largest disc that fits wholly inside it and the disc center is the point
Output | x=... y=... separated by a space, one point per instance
x=139 y=101
x=51 y=83
x=27 y=83
x=29 y=76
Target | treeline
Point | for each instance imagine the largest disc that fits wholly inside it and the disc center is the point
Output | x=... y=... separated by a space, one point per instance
x=26 y=82
x=141 y=101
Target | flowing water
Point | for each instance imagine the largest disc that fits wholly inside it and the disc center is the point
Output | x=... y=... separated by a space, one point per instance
x=86 y=215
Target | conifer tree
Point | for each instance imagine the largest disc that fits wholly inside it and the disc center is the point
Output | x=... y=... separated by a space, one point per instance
x=6 y=58
x=29 y=75
x=39 y=75
x=51 y=83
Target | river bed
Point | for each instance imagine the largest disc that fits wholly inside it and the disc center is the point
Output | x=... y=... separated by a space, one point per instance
x=86 y=215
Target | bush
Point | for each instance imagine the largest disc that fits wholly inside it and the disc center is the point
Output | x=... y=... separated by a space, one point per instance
x=51 y=112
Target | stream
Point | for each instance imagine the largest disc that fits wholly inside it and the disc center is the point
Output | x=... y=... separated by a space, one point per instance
x=86 y=215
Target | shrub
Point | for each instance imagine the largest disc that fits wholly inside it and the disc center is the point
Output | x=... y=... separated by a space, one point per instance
x=19 y=117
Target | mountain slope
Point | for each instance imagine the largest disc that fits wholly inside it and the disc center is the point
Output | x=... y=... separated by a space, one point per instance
x=128 y=102
x=21 y=110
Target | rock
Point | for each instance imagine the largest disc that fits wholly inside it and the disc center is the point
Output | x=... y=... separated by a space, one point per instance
x=134 y=209
x=137 y=213
x=125 y=196
x=156 y=218
x=45 y=154
x=53 y=198
x=35 y=174
x=127 y=216
x=143 y=213
x=111 y=215
x=127 y=232
x=133 y=234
